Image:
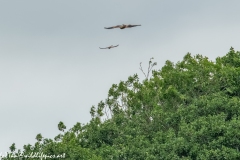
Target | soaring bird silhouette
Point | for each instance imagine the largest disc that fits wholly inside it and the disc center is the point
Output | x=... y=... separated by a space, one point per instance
x=123 y=26
x=109 y=47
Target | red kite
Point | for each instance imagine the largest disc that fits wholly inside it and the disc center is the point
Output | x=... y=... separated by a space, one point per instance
x=122 y=26
x=109 y=47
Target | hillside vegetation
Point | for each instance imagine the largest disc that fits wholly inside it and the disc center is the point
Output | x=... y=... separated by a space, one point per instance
x=187 y=110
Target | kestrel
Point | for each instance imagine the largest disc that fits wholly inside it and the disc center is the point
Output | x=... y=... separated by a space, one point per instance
x=109 y=47
x=123 y=26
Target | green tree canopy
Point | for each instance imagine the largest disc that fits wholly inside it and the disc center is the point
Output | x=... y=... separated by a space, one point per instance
x=187 y=110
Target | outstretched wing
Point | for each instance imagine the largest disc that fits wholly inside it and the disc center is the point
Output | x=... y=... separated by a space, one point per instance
x=118 y=26
x=115 y=46
x=132 y=25
x=103 y=48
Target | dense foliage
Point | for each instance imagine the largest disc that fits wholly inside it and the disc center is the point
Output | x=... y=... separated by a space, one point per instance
x=187 y=110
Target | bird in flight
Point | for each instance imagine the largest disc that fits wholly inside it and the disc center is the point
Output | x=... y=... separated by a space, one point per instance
x=109 y=47
x=123 y=26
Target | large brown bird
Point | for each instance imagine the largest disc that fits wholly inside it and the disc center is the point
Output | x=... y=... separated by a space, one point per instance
x=109 y=47
x=123 y=26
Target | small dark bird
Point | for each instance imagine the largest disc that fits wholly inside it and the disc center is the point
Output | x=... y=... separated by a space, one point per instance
x=123 y=26
x=109 y=47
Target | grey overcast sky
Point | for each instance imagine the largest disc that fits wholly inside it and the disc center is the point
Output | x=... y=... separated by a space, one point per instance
x=51 y=67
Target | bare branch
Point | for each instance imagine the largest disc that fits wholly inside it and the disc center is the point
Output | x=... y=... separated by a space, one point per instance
x=142 y=69
x=150 y=66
